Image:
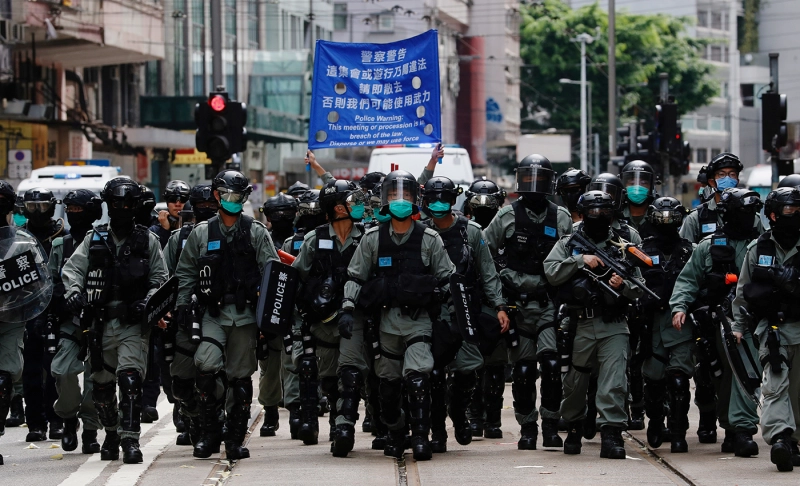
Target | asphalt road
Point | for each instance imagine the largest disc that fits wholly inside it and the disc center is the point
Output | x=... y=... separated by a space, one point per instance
x=280 y=460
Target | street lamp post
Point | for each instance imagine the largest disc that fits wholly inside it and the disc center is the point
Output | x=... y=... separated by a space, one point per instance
x=583 y=39
x=586 y=122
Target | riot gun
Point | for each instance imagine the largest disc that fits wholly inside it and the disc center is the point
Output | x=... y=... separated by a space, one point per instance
x=622 y=266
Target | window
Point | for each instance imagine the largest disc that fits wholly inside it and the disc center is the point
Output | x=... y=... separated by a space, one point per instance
x=295 y=32
x=152 y=78
x=702 y=122
x=715 y=53
x=198 y=23
x=229 y=12
x=716 y=123
x=687 y=123
x=702 y=18
x=230 y=79
x=724 y=90
x=197 y=74
x=716 y=20
x=285 y=29
x=339 y=16
x=280 y=93
x=702 y=156
x=180 y=51
x=252 y=24
x=386 y=22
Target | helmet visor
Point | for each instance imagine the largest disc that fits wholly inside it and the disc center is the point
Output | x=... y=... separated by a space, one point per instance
x=282 y=215
x=309 y=208
x=400 y=190
x=232 y=196
x=535 y=179
x=637 y=178
x=123 y=190
x=609 y=189
x=789 y=210
x=33 y=207
x=666 y=216
x=593 y=213
x=484 y=201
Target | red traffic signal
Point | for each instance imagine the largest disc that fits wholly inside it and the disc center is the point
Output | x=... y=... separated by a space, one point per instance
x=217 y=103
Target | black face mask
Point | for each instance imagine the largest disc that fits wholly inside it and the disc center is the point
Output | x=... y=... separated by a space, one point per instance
x=786 y=230
x=571 y=200
x=39 y=220
x=309 y=222
x=667 y=237
x=596 y=228
x=121 y=221
x=281 y=229
x=143 y=217
x=79 y=223
x=484 y=216
x=203 y=214
x=739 y=224
x=534 y=201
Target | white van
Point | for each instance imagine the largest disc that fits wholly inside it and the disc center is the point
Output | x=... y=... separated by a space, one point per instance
x=456 y=164
x=60 y=179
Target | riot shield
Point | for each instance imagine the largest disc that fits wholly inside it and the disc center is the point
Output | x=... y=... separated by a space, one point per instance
x=743 y=365
x=465 y=314
x=26 y=285
x=276 y=298
x=161 y=302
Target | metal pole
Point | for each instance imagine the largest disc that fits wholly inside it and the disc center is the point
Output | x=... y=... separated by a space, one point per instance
x=612 y=79
x=590 y=139
x=664 y=86
x=205 y=54
x=773 y=72
x=216 y=42
x=596 y=153
x=584 y=161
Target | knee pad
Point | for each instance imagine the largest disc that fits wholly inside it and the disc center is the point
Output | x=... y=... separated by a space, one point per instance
x=417 y=386
x=677 y=381
x=130 y=383
x=206 y=384
x=104 y=393
x=308 y=367
x=351 y=378
x=242 y=389
x=495 y=380
x=438 y=379
x=551 y=369
x=525 y=373
x=182 y=388
x=329 y=385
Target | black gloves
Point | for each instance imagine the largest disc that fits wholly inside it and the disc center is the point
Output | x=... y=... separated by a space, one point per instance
x=76 y=302
x=182 y=316
x=346 y=323
x=136 y=310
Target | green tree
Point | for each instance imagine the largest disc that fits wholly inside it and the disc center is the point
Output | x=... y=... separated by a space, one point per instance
x=646 y=46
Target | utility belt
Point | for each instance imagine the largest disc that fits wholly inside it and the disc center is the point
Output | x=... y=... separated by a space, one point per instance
x=541 y=296
x=608 y=315
x=118 y=310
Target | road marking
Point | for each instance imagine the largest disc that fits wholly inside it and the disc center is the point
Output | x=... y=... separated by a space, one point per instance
x=93 y=467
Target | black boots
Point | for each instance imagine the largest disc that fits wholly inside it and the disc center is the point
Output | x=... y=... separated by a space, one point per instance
x=460 y=396
x=271 y=422
x=612 y=445
x=654 y=396
x=419 y=417
x=550 y=437
x=36 y=433
x=477 y=407
x=56 y=430
x=350 y=379
x=495 y=385
x=89 y=443
x=110 y=448
x=208 y=416
x=572 y=445
x=391 y=396
x=236 y=426
x=69 y=439
x=294 y=420
x=528 y=435
x=329 y=386
x=781 y=452
x=130 y=451
x=679 y=397
x=438 y=400
x=344 y=440
x=16 y=416
x=523 y=390
x=551 y=398
x=707 y=428
x=744 y=445
x=308 y=431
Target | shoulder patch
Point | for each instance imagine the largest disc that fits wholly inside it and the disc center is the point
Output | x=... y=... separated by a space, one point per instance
x=431 y=232
x=259 y=223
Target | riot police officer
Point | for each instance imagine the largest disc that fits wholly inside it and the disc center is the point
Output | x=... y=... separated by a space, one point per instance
x=526 y=231
x=483 y=200
x=601 y=333
x=721 y=173
x=398 y=267
x=570 y=186
x=707 y=281
x=792 y=180
x=666 y=353
x=768 y=287
x=38 y=385
x=463 y=241
x=369 y=182
x=176 y=194
x=278 y=376
x=144 y=213
x=82 y=208
x=639 y=181
x=297 y=189
x=223 y=259
x=182 y=370
x=612 y=185
x=337 y=360
x=108 y=279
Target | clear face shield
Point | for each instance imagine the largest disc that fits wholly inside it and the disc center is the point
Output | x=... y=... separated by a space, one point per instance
x=609 y=189
x=638 y=178
x=230 y=195
x=535 y=180
x=666 y=217
x=484 y=201
x=399 y=190
x=599 y=213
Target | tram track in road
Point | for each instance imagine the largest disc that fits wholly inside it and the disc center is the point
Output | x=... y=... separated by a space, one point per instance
x=658 y=460
x=223 y=468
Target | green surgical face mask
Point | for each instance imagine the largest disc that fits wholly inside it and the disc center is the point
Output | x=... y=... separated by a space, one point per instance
x=439 y=209
x=357 y=212
x=19 y=219
x=231 y=208
x=637 y=194
x=382 y=218
x=401 y=209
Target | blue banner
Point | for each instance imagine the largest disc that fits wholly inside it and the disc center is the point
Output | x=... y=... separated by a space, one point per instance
x=375 y=94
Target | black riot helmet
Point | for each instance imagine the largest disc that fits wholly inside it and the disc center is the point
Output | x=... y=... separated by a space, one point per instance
x=438 y=196
x=371 y=179
x=177 y=191
x=308 y=203
x=399 y=185
x=535 y=175
x=596 y=205
x=280 y=207
x=297 y=189
x=121 y=193
x=39 y=204
x=792 y=180
x=339 y=191
x=723 y=161
x=484 y=193
x=738 y=199
x=666 y=212
x=783 y=201
x=233 y=188
x=611 y=185
x=148 y=201
x=8 y=198
x=570 y=185
x=639 y=181
x=203 y=204
x=85 y=199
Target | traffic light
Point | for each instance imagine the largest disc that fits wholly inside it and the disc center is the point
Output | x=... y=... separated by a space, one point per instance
x=773 y=121
x=624 y=140
x=679 y=154
x=220 y=126
x=666 y=125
